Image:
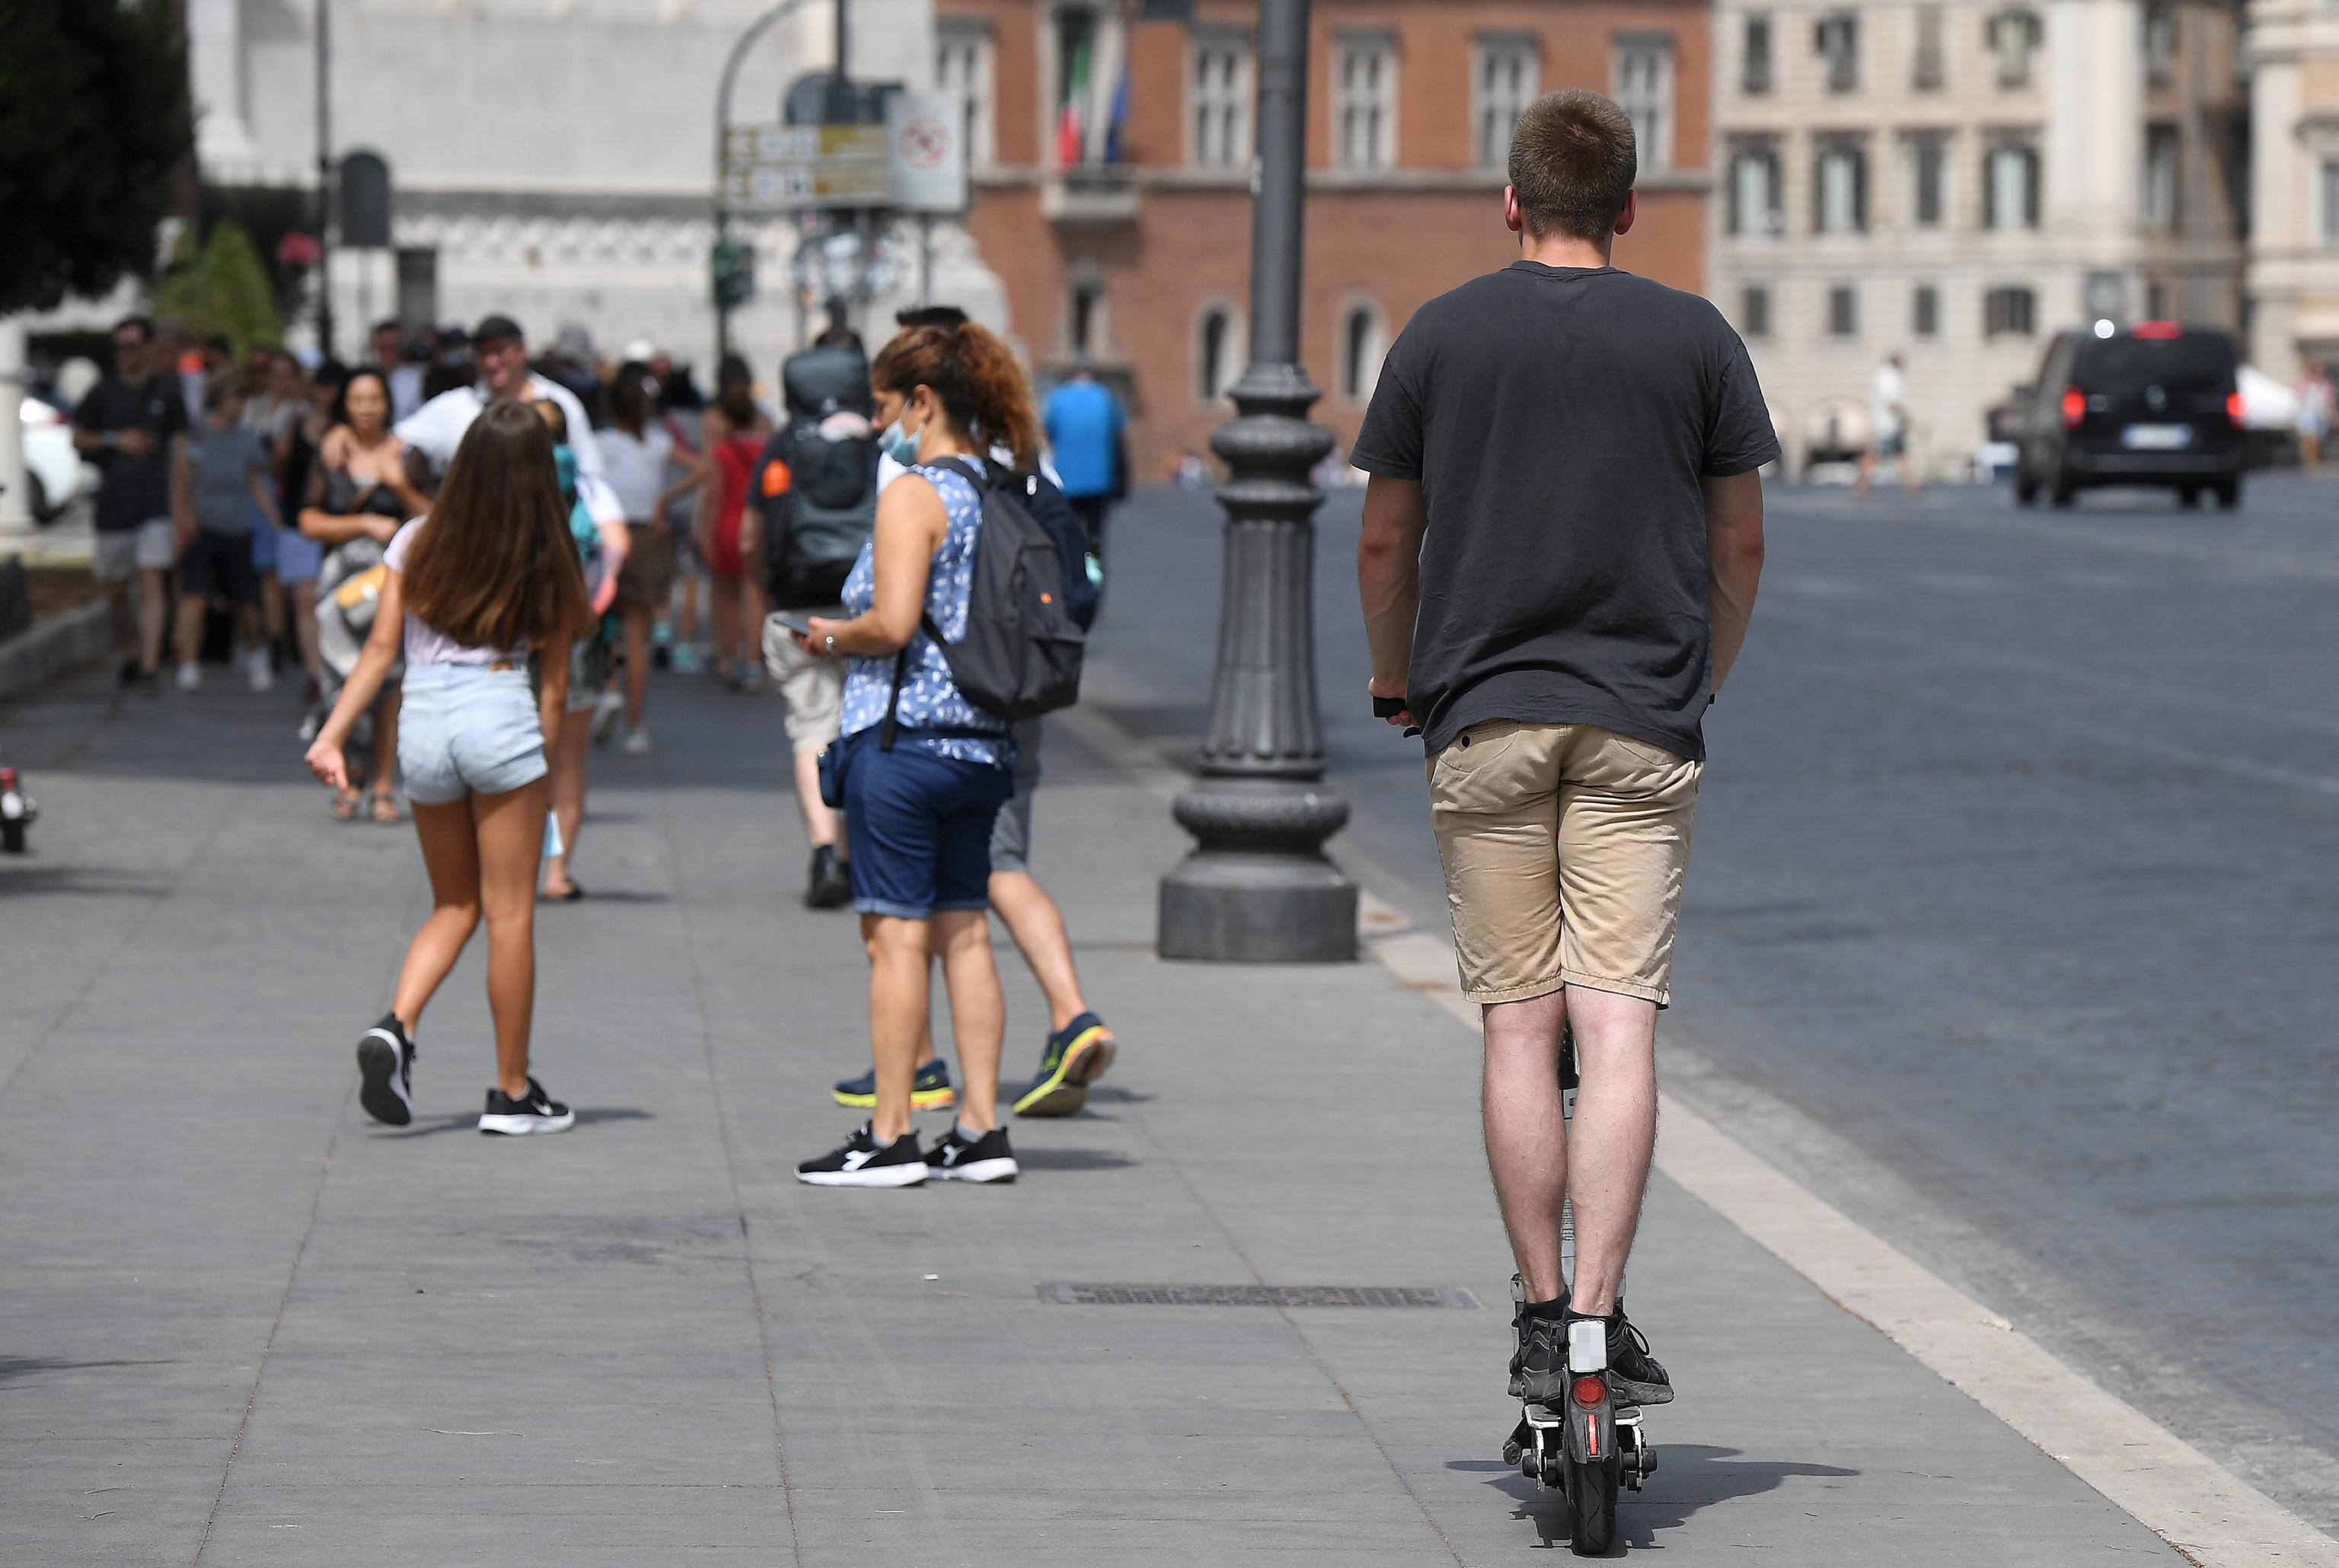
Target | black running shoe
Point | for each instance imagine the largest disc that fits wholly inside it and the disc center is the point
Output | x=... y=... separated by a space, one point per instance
x=827 y=885
x=929 y=1090
x=863 y=1161
x=1539 y=1364
x=534 y=1111
x=986 y=1158
x=386 y=1058
x=1635 y=1377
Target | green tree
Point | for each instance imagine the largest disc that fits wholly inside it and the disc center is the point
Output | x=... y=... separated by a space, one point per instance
x=94 y=117
x=224 y=289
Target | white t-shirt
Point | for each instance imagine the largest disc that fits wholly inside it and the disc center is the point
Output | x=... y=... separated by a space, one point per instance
x=436 y=429
x=637 y=470
x=1888 y=394
x=426 y=644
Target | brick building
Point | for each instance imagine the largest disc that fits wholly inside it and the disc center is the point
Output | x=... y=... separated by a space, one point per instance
x=1112 y=154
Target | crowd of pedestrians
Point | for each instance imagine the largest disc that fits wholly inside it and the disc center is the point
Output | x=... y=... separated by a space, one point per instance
x=475 y=559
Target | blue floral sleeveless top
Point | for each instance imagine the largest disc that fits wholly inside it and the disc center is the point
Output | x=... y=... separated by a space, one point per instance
x=929 y=699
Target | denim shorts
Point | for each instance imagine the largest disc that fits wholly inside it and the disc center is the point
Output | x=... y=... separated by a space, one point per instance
x=467 y=729
x=920 y=829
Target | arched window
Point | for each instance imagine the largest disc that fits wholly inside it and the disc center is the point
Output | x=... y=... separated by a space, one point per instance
x=1364 y=342
x=1218 y=351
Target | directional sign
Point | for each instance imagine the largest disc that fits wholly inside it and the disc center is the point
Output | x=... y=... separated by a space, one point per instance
x=787 y=167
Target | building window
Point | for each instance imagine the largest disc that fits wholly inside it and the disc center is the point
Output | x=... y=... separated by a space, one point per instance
x=2155 y=301
x=1754 y=67
x=1364 y=101
x=1931 y=66
x=1217 y=97
x=2161 y=199
x=2011 y=310
x=1218 y=352
x=2327 y=186
x=1644 y=90
x=1364 y=343
x=1507 y=77
x=1840 y=189
x=1087 y=326
x=1925 y=311
x=1929 y=164
x=2010 y=187
x=1754 y=312
x=962 y=66
x=1843 y=312
x=2012 y=37
x=1752 y=205
x=2159 y=44
x=1836 y=37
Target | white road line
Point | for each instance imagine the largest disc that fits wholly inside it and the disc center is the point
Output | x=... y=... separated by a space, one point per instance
x=2168 y=1485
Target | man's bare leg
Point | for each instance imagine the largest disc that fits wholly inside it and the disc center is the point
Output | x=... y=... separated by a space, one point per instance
x=1526 y=1134
x=1616 y=1133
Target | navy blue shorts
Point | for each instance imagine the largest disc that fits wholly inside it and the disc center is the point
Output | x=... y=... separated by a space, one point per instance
x=918 y=829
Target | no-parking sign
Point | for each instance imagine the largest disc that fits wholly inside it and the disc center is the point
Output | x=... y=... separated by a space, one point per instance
x=926 y=135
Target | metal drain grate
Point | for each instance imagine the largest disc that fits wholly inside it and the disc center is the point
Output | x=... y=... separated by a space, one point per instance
x=1071 y=1294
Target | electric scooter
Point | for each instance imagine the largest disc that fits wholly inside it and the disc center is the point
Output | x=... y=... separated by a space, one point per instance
x=17 y=811
x=1588 y=1446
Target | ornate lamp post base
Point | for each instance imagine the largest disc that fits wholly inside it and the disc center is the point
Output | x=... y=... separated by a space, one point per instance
x=1259 y=888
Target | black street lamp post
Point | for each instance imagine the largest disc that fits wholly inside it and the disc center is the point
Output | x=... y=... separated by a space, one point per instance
x=1257 y=885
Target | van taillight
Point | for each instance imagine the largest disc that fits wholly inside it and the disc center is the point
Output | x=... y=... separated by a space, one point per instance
x=2234 y=409
x=2075 y=408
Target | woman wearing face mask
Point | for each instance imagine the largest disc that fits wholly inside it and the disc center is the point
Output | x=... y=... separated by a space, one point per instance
x=918 y=810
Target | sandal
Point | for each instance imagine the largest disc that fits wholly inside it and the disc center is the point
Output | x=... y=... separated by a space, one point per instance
x=385 y=810
x=344 y=805
x=571 y=896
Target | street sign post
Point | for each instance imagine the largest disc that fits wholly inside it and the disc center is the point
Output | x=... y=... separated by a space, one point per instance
x=789 y=168
x=926 y=135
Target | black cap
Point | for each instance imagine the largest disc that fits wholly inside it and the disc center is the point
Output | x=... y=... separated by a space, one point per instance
x=491 y=328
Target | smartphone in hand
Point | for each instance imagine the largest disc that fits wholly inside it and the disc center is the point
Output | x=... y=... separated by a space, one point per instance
x=797 y=624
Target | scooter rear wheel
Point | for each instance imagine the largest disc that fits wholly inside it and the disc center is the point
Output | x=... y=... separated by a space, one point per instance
x=1591 y=1506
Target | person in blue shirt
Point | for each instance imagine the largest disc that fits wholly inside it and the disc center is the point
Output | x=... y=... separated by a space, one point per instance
x=1086 y=427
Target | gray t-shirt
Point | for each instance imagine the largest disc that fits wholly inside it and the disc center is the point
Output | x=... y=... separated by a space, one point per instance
x=223 y=463
x=1559 y=421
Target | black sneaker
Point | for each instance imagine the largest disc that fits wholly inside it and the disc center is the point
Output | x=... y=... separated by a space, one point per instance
x=1074 y=1057
x=386 y=1058
x=1635 y=1377
x=987 y=1158
x=134 y=679
x=827 y=885
x=930 y=1090
x=534 y=1111
x=862 y=1161
x=1539 y=1363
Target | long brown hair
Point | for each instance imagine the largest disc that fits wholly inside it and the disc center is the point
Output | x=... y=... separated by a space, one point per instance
x=982 y=386
x=495 y=567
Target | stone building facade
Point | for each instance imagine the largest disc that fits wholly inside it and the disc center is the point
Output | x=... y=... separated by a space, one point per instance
x=1958 y=180
x=2294 y=260
x=1112 y=180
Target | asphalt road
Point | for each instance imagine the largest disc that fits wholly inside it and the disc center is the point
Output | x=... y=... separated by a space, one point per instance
x=2009 y=928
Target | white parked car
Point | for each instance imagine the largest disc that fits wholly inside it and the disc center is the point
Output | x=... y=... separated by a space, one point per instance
x=58 y=473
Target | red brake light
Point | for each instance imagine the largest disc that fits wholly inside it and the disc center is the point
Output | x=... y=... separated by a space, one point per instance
x=7 y=778
x=2234 y=409
x=1590 y=1391
x=2075 y=408
x=2157 y=329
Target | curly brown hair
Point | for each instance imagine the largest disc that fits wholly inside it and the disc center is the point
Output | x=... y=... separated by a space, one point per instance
x=977 y=378
x=494 y=566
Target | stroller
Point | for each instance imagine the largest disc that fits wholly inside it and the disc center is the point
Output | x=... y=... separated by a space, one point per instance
x=348 y=591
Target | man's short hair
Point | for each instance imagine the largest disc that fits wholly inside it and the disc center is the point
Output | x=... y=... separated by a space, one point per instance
x=496 y=329
x=949 y=318
x=1572 y=161
x=140 y=324
x=224 y=387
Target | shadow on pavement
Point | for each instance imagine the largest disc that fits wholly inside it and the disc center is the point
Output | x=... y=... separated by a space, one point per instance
x=469 y=1121
x=97 y=881
x=1690 y=1476
x=15 y=1367
x=1072 y=1159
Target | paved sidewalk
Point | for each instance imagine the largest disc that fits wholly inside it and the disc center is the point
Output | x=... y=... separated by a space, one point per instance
x=245 y=1325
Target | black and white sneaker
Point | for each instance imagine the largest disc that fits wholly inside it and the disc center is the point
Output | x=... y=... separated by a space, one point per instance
x=386 y=1058
x=986 y=1158
x=534 y=1111
x=863 y=1161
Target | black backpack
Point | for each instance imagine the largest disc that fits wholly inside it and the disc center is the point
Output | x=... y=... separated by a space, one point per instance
x=816 y=522
x=1021 y=656
x=1052 y=511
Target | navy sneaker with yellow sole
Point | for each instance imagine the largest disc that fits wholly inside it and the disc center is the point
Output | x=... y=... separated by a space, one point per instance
x=1075 y=1057
x=930 y=1090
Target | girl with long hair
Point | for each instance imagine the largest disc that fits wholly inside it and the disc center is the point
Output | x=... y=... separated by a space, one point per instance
x=925 y=770
x=357 y=493
x=486 y=581
x=733 y=431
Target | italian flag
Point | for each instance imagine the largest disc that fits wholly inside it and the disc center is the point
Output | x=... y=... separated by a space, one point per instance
x=1071 y=130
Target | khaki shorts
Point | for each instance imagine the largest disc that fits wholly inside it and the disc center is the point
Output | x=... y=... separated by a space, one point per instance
x=1563 y=847
x=119 y=554
x=812 y=688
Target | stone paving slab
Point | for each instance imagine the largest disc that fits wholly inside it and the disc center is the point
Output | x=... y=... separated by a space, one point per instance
x=646 y=1341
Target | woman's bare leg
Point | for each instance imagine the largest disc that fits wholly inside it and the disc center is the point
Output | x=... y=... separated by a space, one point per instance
x=385 y=743
x=978 y=1011
x=897 y=1015
x=566 y=754
x=511 y=833
x=450 y=854
x=637 y=665
x=304 y=629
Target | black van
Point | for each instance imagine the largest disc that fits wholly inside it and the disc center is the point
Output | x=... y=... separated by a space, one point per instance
x=2152 y=404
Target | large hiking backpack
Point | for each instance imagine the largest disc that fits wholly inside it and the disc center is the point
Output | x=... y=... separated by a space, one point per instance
x=816 y=481
x=1021 y=656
